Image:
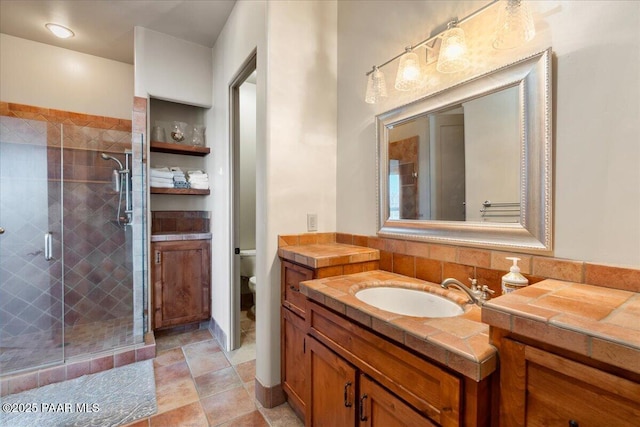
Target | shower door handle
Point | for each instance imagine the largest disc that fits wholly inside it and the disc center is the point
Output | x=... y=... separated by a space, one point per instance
x=48 y=246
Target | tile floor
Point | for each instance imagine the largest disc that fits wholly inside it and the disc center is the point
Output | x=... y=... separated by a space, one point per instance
x=199 y=384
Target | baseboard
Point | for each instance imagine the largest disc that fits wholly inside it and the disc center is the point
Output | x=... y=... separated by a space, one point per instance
x=218 y=333
x=270 y=397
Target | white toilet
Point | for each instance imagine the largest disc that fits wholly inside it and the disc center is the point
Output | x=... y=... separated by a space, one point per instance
x=248 y=269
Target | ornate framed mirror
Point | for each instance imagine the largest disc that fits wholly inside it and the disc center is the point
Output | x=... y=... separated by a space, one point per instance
x=471 y=165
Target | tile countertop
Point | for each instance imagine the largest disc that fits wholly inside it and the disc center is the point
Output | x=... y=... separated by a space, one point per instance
x=593 y=321
x=461 y=343
x=327 y=254
x=176 y=236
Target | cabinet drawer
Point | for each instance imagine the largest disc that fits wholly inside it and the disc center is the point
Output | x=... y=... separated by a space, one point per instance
x=433 y=392
x=560 y=390
x=545 y=389
x=292 y=275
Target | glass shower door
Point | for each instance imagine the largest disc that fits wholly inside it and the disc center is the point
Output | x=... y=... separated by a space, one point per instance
x=31 y=294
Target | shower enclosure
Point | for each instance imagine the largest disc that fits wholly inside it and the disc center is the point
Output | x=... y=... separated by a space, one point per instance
x=66 y=239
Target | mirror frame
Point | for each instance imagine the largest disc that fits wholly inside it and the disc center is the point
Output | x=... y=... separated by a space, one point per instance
x=533 y=234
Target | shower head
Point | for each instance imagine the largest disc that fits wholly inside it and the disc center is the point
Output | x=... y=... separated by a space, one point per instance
x=108 y=157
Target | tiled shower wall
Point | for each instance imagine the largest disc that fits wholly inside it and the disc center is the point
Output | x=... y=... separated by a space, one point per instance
x=97 y=270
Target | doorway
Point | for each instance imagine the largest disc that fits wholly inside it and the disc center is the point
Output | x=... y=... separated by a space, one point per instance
x=243 y=208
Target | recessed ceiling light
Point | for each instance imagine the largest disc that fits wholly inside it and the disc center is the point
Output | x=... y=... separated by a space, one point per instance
x=59 y=31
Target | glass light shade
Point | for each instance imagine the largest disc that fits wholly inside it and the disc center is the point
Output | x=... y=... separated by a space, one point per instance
x=515 y=25
x=59 y=31
x=409 y=75
x=453 y=51
x=376 y=87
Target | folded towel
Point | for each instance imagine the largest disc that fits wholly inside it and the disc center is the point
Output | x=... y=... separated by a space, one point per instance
x=198 y=178
x=199 y=185
x=161 y=173
x=184 y=184
x=161 y=184
x=159 y=179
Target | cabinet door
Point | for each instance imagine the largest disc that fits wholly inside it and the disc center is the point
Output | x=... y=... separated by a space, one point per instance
x=293 y=361
x=181 y=279
x=292 y=275
x=331 y=395
x=539 y=388
x=379 y=408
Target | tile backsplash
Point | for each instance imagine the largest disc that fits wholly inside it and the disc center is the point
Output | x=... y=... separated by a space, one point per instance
x=435 y=262
x=180 y=222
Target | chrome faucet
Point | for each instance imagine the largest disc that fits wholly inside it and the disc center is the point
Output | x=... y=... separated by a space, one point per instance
x=477 y=294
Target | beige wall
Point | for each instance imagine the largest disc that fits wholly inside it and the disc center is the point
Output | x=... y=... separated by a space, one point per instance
x=295 y=147
x=172 y=69
x=596 y=65
x=46 y=76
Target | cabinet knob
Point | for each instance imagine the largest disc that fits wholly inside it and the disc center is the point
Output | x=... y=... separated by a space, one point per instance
x=573 y=423
x=293 y=288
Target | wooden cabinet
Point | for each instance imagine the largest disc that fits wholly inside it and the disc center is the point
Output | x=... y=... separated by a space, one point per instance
x=291 y=298
x=342 y=395
x=540 y=388
x=181 y=282
x=294 y=377
x=380 y=408
x=332 y=390
x=400 y=387
x=293 y=335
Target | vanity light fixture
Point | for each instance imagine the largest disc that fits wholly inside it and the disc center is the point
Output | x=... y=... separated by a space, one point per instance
x=453 y=50
x=59 y=31
x=409 y=75
x=515 y=27
x=376 y=86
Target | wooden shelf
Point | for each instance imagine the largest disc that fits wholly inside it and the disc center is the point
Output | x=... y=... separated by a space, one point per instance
x=189 y=150
x=180 y=191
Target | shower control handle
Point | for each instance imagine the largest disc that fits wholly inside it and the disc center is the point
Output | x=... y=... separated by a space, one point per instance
x=48 y=246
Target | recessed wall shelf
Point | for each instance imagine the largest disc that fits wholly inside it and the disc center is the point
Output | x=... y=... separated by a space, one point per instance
x=189 y=150
x=180 y=191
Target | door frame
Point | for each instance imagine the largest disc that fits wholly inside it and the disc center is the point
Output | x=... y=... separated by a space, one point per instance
x=245 y=70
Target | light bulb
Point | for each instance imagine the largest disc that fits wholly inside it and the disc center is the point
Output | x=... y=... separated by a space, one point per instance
x=376 y=87
x=59 y=31
x=453 y=51
x=515 y=25
x=409 y=75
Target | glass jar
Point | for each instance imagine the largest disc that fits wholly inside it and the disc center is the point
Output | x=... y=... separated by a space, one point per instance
x=197 y=137
x=177 y=131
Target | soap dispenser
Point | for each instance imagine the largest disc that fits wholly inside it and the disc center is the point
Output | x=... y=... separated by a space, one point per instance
x=513 y=280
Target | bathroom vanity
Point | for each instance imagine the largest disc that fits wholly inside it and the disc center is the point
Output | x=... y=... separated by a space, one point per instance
x=368 y=366
x=305 y=262
x=569 y=355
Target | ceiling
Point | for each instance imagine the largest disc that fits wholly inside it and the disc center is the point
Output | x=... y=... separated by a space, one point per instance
x=105 y=28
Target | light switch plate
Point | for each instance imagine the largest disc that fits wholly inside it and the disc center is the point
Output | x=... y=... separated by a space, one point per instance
x=312 y=222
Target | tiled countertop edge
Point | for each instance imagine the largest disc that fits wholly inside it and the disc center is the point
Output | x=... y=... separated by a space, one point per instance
x=433 y=345
x=360 y=254
x=551 y=330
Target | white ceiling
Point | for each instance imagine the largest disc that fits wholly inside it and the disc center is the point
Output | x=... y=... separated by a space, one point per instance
x=105 y=28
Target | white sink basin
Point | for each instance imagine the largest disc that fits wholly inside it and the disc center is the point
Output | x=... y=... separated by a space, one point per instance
x=409 y=302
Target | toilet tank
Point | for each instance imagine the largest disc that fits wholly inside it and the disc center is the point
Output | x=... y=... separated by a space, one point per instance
x=248 y=262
